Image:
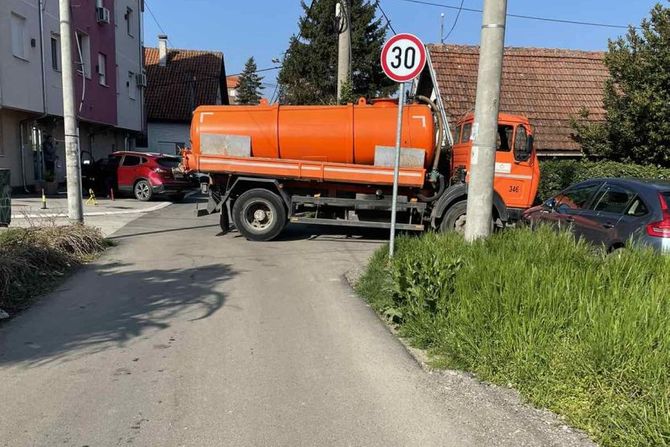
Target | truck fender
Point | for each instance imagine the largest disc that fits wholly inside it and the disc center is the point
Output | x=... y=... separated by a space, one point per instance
x=458 y=192
x=242 y=184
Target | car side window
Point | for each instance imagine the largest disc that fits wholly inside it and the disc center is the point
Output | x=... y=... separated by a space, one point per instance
x=131 y=160
x=613 y=199
x=576 y=198
x=637 y=208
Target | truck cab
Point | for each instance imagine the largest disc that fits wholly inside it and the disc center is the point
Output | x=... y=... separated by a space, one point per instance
x=517 y=170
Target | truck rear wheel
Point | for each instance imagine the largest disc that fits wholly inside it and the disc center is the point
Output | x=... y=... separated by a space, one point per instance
x=259 y=215
x=455 y=217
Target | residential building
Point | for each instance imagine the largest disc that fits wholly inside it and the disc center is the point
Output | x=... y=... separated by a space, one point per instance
x=549 y=86
x=178 y=82
x=232 y=82
x=110 y=112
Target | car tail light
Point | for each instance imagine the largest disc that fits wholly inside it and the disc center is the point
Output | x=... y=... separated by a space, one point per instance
x=662 y=227
x=163 y=172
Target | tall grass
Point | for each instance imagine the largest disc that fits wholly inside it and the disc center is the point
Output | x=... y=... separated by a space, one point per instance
x=32 y=259
x=584 y=334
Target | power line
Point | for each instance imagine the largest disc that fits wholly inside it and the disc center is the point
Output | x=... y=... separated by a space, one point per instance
x=207 y=78
x=458 y=14
x=521 y=16
x=146 y=4
x=388 y=22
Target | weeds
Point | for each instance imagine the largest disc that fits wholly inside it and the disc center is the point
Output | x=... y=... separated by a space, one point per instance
x=584 y=334
x=33 y=259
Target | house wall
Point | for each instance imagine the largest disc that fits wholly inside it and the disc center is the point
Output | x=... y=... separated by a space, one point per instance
x=20 y=77
x=129 y=63
x=163 y=137
x=97 y=103
x=10 y=142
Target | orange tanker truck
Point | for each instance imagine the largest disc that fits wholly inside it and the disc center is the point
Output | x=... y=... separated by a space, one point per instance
x=270 y=165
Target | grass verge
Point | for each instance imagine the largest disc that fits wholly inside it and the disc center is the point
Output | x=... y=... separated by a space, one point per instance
x=586 y=335
x=34 y=260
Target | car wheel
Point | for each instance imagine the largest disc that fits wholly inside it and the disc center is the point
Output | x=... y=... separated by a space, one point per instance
x=259 y=215
x=143 y=191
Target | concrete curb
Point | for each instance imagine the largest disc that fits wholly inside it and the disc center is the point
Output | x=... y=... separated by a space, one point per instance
x=96 y=213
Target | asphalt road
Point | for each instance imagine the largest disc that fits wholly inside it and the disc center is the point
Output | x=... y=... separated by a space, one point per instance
x=180 y=337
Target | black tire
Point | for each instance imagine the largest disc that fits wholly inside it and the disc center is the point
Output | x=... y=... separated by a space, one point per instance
x=143 y=191
x=454 y=218
x=259 y=215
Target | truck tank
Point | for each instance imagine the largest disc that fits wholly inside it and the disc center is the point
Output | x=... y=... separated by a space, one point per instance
x=336 y=134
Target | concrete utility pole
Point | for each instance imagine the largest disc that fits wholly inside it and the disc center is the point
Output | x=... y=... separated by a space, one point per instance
x=72 y=158
x=343 y=13
x=485 y=128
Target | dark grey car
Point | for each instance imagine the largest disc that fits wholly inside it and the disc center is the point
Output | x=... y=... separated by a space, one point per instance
x=611 y=212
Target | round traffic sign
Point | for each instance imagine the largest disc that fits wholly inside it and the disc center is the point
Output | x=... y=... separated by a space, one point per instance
x=403 y=57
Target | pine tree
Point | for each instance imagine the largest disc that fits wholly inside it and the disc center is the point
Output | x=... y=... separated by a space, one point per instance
x=637 y=128
x=309 y=71
x=250 y=86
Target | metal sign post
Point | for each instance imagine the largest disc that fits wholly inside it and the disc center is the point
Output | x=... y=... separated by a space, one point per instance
x=396 y=167
x=403 y=58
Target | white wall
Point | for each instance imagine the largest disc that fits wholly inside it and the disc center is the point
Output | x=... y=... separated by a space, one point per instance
x=20 y=78
x=129 y=62
x=162 y=137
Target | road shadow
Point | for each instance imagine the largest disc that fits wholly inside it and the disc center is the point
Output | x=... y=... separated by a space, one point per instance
x=110 y=305
x=294 y=232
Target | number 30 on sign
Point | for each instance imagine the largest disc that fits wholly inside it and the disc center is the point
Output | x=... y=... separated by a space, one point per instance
x=403 y=57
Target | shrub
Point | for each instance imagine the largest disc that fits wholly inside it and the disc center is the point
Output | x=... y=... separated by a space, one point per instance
x=556 y=175
x=581 y=333
x=32 y=259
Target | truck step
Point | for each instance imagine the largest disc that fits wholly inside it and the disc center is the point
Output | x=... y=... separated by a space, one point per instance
x=355 y=223
x=360 y=204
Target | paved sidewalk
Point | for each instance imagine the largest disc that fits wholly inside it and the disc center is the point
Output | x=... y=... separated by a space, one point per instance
x=108 y=215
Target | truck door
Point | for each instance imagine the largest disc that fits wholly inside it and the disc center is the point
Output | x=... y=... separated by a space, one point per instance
x=514 y=169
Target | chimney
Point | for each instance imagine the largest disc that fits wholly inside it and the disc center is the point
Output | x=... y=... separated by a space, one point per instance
x=162 y=50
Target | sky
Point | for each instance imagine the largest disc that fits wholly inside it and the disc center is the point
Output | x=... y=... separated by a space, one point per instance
x=262 y=28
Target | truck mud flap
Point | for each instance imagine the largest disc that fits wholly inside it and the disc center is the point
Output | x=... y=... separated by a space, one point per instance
x=213 y=206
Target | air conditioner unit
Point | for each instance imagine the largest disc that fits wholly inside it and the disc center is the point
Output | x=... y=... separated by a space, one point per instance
x=141 y=80
x=102 y=15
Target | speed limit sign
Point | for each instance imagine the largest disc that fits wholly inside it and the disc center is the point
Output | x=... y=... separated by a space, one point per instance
x=403 y=57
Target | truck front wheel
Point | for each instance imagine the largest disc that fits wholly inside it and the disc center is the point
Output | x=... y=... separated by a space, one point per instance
x=455 y=217
x=259 y=215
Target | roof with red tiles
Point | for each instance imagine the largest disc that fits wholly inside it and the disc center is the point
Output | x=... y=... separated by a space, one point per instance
x=232 y=81
x=191 y=78
x=548 y=86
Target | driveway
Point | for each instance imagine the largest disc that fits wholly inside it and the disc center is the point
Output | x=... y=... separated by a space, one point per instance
x=180 y=337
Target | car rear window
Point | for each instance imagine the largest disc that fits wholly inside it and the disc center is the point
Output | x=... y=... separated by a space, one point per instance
x=168 y=162
x=666 y=196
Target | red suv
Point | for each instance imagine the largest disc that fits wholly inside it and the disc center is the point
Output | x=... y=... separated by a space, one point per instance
x=144 y=175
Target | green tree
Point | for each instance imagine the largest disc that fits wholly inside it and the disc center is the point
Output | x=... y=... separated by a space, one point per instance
x=309 y=71
x=636 y=97
x=250 y=86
